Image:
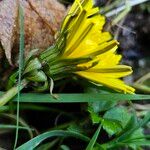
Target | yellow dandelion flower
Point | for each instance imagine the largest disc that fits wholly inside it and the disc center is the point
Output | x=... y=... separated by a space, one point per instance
x=84 y=49
x=86 y=38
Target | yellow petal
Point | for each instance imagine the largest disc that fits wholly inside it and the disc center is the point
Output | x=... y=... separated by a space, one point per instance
x=90 y=45
x=85 y=39
x=111 y=72
x=78 y=26
x=79 y=3
x=75 y=10
x=113 y=83
x=87 y=4
x=73 y=44
x=108 y=59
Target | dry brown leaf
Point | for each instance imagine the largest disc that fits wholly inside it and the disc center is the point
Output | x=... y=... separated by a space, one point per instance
x=42 y=21
x=8 y=15
x=41 y=26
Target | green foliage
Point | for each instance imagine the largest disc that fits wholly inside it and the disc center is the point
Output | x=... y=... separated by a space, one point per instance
x=33 y=143
x=78 y=98
x=115 y=120
x=135 y=135
x=112 y=126
x=131 y=136
x=94 y=138
x=132 y=128
x=118 y=122
x=47 y=146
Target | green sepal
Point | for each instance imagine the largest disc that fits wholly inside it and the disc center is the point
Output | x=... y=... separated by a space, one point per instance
x=33 y=64
x=37 y=76
x=30 y=55
x=12 y=80
x=76 y=61
x=47 y=52
x=41 y=88
x=59 y=63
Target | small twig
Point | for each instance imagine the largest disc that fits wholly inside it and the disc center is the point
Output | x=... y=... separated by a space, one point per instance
x=141 y=113
x=139 y=84
x=142 y=107
x=110 y=6
x=125 y=28
x=51 y=89
x=120 y=16
x=21 y=122
x=144 y=78
x=141 y=87
x=121 y=8
x=116 y=34
x=123 y=14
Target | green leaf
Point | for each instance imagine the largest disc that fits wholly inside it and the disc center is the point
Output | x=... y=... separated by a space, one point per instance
x=75 y=128
x=47 y=146
x=137 y=133
x=33 y=143
x=37 y=76
x=4 y=108
x=64 y=147
x=127 y=134
x=124 y=138
x=34 y=64
x=103 y=105
x=77 y=98
x=96 y=107
x=111 y=126
x=42 y=87
x=8 y=126
x=12 y=80
x=140 y=143
x=131 y=124
x=95 y=117
x=115 y=120
x=94 y=138
x=134 y=135
x=30 y=55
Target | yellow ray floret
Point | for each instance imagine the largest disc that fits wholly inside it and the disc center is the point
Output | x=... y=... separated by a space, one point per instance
x=113 y=83
x=85 y=38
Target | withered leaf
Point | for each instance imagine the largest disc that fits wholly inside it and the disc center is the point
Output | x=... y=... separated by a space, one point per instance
x=8 y=16
x=42 y=21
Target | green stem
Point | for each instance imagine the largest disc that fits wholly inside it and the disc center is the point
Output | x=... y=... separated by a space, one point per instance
x=11 y=93
x=142 y=87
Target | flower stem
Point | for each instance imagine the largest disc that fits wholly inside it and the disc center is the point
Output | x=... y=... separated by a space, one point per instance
x=11 y=93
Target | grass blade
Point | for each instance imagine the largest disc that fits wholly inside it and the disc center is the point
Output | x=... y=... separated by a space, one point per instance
x=94 y=138
x=21 y=56
x=33 y=143
x=5 y=126
x=78 y=98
